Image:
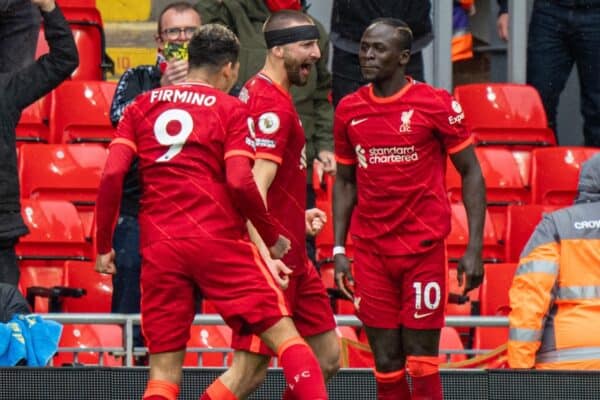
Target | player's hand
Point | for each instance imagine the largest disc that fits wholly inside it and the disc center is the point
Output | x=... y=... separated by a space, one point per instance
x=502 y=26
x=44 y=5
x=470 y=268
x=314 y=219
x=105 y=263
x=280 y=271
x=327 y=160
x=175 y=72
x=343 y=275
x=280 y=248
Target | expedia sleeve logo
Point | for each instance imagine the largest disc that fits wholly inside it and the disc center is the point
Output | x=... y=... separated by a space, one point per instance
x=460 y=115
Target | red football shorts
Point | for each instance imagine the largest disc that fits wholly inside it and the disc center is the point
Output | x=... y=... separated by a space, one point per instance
x=229 y=273
x=407 y=290
x=311 y=310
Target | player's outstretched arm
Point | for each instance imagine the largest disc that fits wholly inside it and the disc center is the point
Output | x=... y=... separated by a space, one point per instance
x=473 y=192
x=344 y=200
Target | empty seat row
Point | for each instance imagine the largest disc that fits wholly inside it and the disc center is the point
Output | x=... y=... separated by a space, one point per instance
x=74 y=112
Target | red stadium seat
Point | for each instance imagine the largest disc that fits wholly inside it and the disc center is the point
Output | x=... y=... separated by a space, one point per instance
x=80 y=112
x=504 y=182
x=505 y=114
x=55 y=231
x=89 y=38
x=450 y=341
x=555 y=173
x=209 y=337
x=98 y=287
x=494 y=302
x=457 y=240
x=39 y=274
x=520 y=223
x=33 y=124
x=88 y=339
x=63 y=172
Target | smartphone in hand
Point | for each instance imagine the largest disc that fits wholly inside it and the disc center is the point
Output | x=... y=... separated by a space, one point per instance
x=176 y=51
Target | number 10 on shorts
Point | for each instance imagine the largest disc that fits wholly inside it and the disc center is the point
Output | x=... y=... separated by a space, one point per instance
x=428 y=297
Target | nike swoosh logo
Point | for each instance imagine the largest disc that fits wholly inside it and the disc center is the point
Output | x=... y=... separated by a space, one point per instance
x=419 y=316
x=355 y=122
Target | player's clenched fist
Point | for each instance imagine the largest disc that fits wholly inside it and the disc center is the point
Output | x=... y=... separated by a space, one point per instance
x=280 y=248
x=315 y=220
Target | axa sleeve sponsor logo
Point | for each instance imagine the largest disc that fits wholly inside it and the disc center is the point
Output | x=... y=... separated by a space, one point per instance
x=385 y=155
x=460 y=115
x=589 y=224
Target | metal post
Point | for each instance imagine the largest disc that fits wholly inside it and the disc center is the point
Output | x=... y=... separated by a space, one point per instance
x=517 y=41
x=442 y=30
x=129 y=342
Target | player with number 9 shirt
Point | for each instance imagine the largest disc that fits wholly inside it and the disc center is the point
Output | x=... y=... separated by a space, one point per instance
x=195 y=147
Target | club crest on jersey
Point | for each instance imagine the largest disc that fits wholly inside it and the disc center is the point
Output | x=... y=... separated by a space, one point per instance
x=405 y=120
x=268 y=123
x=244 y=96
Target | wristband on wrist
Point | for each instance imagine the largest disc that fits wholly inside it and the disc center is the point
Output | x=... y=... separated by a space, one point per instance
x=338 y=250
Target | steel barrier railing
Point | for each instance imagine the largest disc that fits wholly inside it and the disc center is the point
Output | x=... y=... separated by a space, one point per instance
x=129 y=320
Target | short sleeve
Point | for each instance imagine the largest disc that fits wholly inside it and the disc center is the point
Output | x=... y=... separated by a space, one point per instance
x=125 y=133
x=344 y=152
x=273 y=129
x=448 y=117
x=240 y=135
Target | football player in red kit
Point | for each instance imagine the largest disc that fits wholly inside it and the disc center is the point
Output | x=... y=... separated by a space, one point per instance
x=280 y=172
x=392 y=139
x=195 y=147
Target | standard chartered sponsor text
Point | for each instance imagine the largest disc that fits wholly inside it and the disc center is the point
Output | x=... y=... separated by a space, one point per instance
x=395 y=154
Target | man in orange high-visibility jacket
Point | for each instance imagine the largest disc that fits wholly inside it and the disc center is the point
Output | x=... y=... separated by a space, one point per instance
x=555 y=295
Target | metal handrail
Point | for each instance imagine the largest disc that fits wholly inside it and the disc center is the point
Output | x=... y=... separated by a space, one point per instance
x=129 y=320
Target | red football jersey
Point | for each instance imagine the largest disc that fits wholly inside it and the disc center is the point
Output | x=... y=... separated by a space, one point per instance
x=399 y=145
x=183 y=134
x=280 y=138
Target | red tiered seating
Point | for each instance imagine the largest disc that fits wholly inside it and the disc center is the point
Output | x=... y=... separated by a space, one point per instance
x=80 y=112
x=209 y=337
x=457 y=240
x=89 y=338
x=33 y=125
x=98 y=288
x=55 y=235
x=63 y=172
x=520 y=223
x=505 y=114
x=504 y=183
x=88 y=31
x=494 y=301
x=555 y=173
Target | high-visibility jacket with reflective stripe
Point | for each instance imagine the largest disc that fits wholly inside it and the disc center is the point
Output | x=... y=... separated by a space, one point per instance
x=555 y=294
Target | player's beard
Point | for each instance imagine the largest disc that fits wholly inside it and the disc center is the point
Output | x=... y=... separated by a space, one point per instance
x=293 y=70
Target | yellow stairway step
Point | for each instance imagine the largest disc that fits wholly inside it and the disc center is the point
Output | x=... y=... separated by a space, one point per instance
x=124 y=10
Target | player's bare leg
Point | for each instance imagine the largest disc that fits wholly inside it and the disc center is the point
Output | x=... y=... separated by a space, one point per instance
x=165 y=375
x=390 y=361
x=300 y=366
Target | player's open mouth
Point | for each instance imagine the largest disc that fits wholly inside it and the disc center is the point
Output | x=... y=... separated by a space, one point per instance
x=305 y=68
